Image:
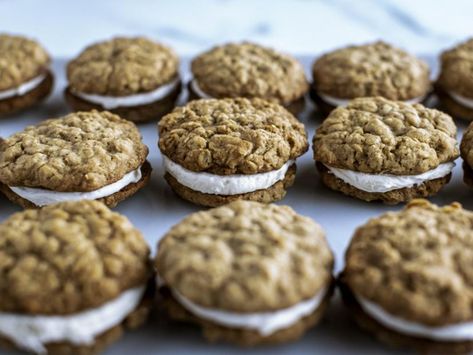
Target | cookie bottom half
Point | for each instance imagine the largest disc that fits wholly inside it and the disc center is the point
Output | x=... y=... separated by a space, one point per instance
x=467 y=174
x=134 y=320
x=22 y=102
x=453 y=108
x=295 y=107
x=137 y=114
x=273 y=193
x=111 y=201
x=242 y=337
x=395 y=339
x=428 y=188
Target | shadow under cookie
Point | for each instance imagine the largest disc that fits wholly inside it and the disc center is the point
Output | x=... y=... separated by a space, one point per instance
x=428 y=188
x=22 y=102
x=138 y=114
x=275 y=192
x=422 y=345
x=243 y=337
x=110 y=201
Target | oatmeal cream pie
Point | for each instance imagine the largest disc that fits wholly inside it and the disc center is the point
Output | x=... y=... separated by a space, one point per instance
x=466 y=149
x=135 y=78
x=408 y=278
x=73 y=277
x=84 y=155
x=220 y=150
x=247 y=273
x=454 y=86
x=249 y=70
x=25 y=77
x=377 y=149
x=375 y=69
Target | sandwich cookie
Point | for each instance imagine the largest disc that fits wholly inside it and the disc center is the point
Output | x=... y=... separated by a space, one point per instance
x=73 y=277
x=135 y=78
x=375 y=69
x=25 y=77
x=217 y=151
x=82 y=156
x=377 y=149
x=249 y=70
x=466 y=149
x=246 y=273
x=454 y=87
x=408 y=279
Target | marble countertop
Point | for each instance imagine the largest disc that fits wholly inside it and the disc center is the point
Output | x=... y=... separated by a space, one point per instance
x=301 y=27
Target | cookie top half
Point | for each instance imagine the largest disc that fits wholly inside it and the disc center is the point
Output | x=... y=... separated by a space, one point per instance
x=416 y=263
x=122 y=66
x=376 y=69
x=245 y=257
x=21 y=59
x=231 y=136
x=377 y=136
x=80 y=152
x=68 y=257
x=249 y=70
x=456 y=70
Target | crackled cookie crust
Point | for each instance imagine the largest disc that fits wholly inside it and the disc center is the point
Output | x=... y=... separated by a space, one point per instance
x=231 y=136
x=122 y=66
x=245 y=257
x=21 y=59
x=55 y=259
x=375 y=69
x=249 y=70
x=379 y=136
x=417 y=263
x=456 y=69
x=82 y=151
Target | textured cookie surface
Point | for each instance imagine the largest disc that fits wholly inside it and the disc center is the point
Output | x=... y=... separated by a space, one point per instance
x=379 y=136
x=122 y=66
x=82 y=151
x=249 y=70
x=231 y=136
x=245 y=257
x=417 y=263
x=466 y=146
x=68 y=257
x=456 y=72
x=21 y=59
x=375 y=69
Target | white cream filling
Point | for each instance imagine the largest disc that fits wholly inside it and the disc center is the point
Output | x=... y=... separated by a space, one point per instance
x=23 y=88
x=387 y=182
x=111 y=102
x=456 y=332
x=31 y=333
x=265 y=323
x=42 y=197
x=462 y=100
x=198 y=91
x=224 y=184
x=335 y=101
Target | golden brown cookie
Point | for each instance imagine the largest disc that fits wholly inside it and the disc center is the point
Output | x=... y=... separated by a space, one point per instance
x=417 y=263
x=454 y=85
x=377 y=149
x=246 y=272
x=249 y=70
x=84 y=155
x=133 y=77
x=25 y=77
x=218 y=150
x=73 y=276
x=375 y=69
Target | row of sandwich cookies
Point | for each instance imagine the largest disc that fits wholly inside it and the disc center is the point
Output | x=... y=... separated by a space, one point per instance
x=246 y=273
x=139 y=79
x=217 y=151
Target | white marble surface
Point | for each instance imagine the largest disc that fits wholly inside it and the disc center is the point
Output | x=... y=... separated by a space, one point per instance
x=299 y=26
